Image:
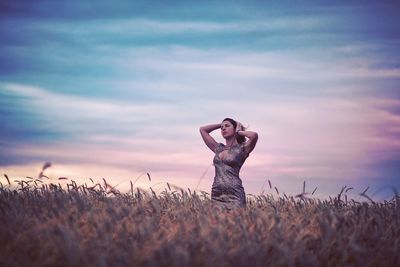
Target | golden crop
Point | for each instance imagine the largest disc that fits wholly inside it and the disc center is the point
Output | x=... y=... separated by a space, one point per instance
x=48 y=225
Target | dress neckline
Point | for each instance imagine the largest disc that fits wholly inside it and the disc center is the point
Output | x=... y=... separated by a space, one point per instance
x=218 y=153
x=225 y=148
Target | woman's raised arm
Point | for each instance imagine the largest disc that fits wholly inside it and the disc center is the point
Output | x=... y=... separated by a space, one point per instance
x=205 y=134
x=251 y=143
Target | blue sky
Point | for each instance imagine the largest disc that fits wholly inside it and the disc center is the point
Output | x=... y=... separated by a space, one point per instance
x=116 y=89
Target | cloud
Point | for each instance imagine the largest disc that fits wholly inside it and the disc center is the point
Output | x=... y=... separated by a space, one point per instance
x=294 y=139
x=72 y=113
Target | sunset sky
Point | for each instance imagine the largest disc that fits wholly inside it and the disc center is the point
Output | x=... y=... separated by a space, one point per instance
x=116 y=89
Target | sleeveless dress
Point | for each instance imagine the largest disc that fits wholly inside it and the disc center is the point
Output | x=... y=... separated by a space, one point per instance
x=227 y=188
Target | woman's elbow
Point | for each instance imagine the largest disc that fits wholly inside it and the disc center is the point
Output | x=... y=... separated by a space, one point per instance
x=202 y=130
x=254 y=136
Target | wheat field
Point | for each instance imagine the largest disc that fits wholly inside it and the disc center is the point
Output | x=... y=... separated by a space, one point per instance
x=80 y=225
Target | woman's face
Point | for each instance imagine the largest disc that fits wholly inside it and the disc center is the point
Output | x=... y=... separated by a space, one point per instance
x=227 y=129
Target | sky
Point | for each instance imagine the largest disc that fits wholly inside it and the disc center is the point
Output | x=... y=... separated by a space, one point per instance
x=119 y=89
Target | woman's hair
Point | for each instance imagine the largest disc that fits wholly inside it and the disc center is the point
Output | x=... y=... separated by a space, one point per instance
x=240 y=139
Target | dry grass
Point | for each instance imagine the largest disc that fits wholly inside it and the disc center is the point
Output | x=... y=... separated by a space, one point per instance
x=47 y=225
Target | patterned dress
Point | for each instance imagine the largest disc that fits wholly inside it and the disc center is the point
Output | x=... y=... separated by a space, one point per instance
x=227 y=188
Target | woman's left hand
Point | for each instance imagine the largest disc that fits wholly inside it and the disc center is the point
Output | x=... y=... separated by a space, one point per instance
x=239 y=127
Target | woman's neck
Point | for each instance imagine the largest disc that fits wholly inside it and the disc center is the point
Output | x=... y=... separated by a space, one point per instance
x=231 y=142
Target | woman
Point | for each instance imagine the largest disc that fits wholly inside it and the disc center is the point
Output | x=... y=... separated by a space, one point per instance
x=227 y=188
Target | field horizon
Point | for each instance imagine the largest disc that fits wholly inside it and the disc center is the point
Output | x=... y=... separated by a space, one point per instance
x=266 y=186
